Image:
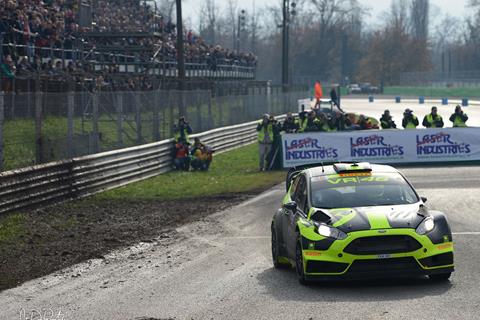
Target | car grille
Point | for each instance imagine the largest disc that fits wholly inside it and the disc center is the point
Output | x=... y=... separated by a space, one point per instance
x=382 y=245
x=384 y=265
x=325 y=267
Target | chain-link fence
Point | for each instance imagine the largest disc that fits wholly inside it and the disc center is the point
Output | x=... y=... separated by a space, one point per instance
x=41 y=127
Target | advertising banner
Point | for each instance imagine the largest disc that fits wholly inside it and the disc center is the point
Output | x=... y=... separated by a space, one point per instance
x=382 y=146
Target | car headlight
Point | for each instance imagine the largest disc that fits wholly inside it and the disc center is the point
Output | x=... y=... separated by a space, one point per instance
x=330 y=232
x=426 y=226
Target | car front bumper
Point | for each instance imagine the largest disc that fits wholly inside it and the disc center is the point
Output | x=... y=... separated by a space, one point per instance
x=338 y=261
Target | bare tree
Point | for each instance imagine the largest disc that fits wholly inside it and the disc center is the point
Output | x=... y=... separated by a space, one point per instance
x=208 y=20
x=166 y=7
x=419 y=16
x=399 y=15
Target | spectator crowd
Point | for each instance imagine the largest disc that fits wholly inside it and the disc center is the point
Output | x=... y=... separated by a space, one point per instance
x=34 y=33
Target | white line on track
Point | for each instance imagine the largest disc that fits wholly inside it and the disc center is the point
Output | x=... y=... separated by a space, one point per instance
x=472 y=233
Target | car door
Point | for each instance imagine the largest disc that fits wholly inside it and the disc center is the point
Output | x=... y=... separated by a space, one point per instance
x=300 y=197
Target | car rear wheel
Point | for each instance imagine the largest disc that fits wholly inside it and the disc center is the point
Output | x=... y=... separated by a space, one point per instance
x=275 y=252
x=299 y=264
x=440 y=277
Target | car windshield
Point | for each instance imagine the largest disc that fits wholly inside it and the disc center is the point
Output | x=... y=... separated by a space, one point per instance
x=361 y=190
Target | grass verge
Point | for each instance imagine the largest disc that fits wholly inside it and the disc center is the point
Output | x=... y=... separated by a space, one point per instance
x=433 y=92
x=231 y=172
x=11 y=227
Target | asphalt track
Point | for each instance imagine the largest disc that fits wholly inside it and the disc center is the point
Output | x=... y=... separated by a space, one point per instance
x=220 y=268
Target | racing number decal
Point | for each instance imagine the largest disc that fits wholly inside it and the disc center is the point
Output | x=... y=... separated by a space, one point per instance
x=348 y=180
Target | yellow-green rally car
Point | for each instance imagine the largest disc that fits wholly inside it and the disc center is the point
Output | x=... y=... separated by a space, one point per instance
x=358 y=221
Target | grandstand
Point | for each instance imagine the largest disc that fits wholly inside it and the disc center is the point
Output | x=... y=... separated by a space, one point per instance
x=118 y=44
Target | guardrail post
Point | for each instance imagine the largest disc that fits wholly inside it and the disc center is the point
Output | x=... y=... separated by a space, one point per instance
x=2 y=117
x=210 y=115
x=138 y=118
x=119 y=110
x=38 y=127
x=156 y=116
x=199 y=110
x=220 y=111
x=95 y=133
x=70 y=115
x=171 y=117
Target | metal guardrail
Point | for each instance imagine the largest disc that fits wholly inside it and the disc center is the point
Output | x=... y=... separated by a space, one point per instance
x=55 y=182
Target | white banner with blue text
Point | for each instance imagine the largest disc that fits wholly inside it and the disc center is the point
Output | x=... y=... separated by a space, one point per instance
x=382 y=146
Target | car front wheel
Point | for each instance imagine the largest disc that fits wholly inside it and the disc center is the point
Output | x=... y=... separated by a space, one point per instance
x=275 y=252
x=299 y=264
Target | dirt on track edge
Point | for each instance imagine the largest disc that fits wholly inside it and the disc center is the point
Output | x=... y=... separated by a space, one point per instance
x=57 y=237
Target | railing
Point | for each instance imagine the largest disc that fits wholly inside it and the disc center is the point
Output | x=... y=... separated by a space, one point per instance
x=131 y=64
x=56 y=182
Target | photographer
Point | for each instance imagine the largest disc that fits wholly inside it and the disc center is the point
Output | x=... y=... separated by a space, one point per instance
x=265 y=129
x=410 y=121
x=386 y=121
x=181 y=158
x=312 y=124
x=302 y=120
x=324 y=123
x=290 y=125
x=201 y=156
x=459 y=118
x=340 y=122
x=182 y=130
x=433 y=119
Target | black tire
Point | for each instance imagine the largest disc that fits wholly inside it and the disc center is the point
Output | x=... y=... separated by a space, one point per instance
x=440 y=277
x=299 y=264
x=275 y=250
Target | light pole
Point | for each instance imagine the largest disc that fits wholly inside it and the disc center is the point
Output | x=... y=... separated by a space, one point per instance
x=180 y=47
x=288 y=13
x=240 y=27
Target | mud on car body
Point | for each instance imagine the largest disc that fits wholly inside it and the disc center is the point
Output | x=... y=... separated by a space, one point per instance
x=358 y=221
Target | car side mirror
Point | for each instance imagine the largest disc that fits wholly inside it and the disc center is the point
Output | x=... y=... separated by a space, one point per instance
x=424 y=199
x=290 y=206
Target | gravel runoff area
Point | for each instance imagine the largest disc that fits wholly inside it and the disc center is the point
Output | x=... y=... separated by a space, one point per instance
x=56 y=237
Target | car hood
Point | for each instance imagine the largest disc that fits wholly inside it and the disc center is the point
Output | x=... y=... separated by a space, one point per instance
x=378 y=217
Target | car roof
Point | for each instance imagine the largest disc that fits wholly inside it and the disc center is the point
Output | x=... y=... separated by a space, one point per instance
x=329 y=170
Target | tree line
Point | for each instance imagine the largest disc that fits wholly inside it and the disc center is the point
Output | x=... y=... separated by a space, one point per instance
x=339 y=40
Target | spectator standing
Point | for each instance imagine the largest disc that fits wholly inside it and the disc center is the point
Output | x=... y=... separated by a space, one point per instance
x=8 y=74
x=265 y=140
x=273 y=160
x=458 y=118
x=410 y=121
x=334 y=96
x=386 y=121
x=290 y=125
x=182 y=130
x=433 y=119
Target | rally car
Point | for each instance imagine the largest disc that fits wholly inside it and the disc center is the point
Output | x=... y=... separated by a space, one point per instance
x=358 y=221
